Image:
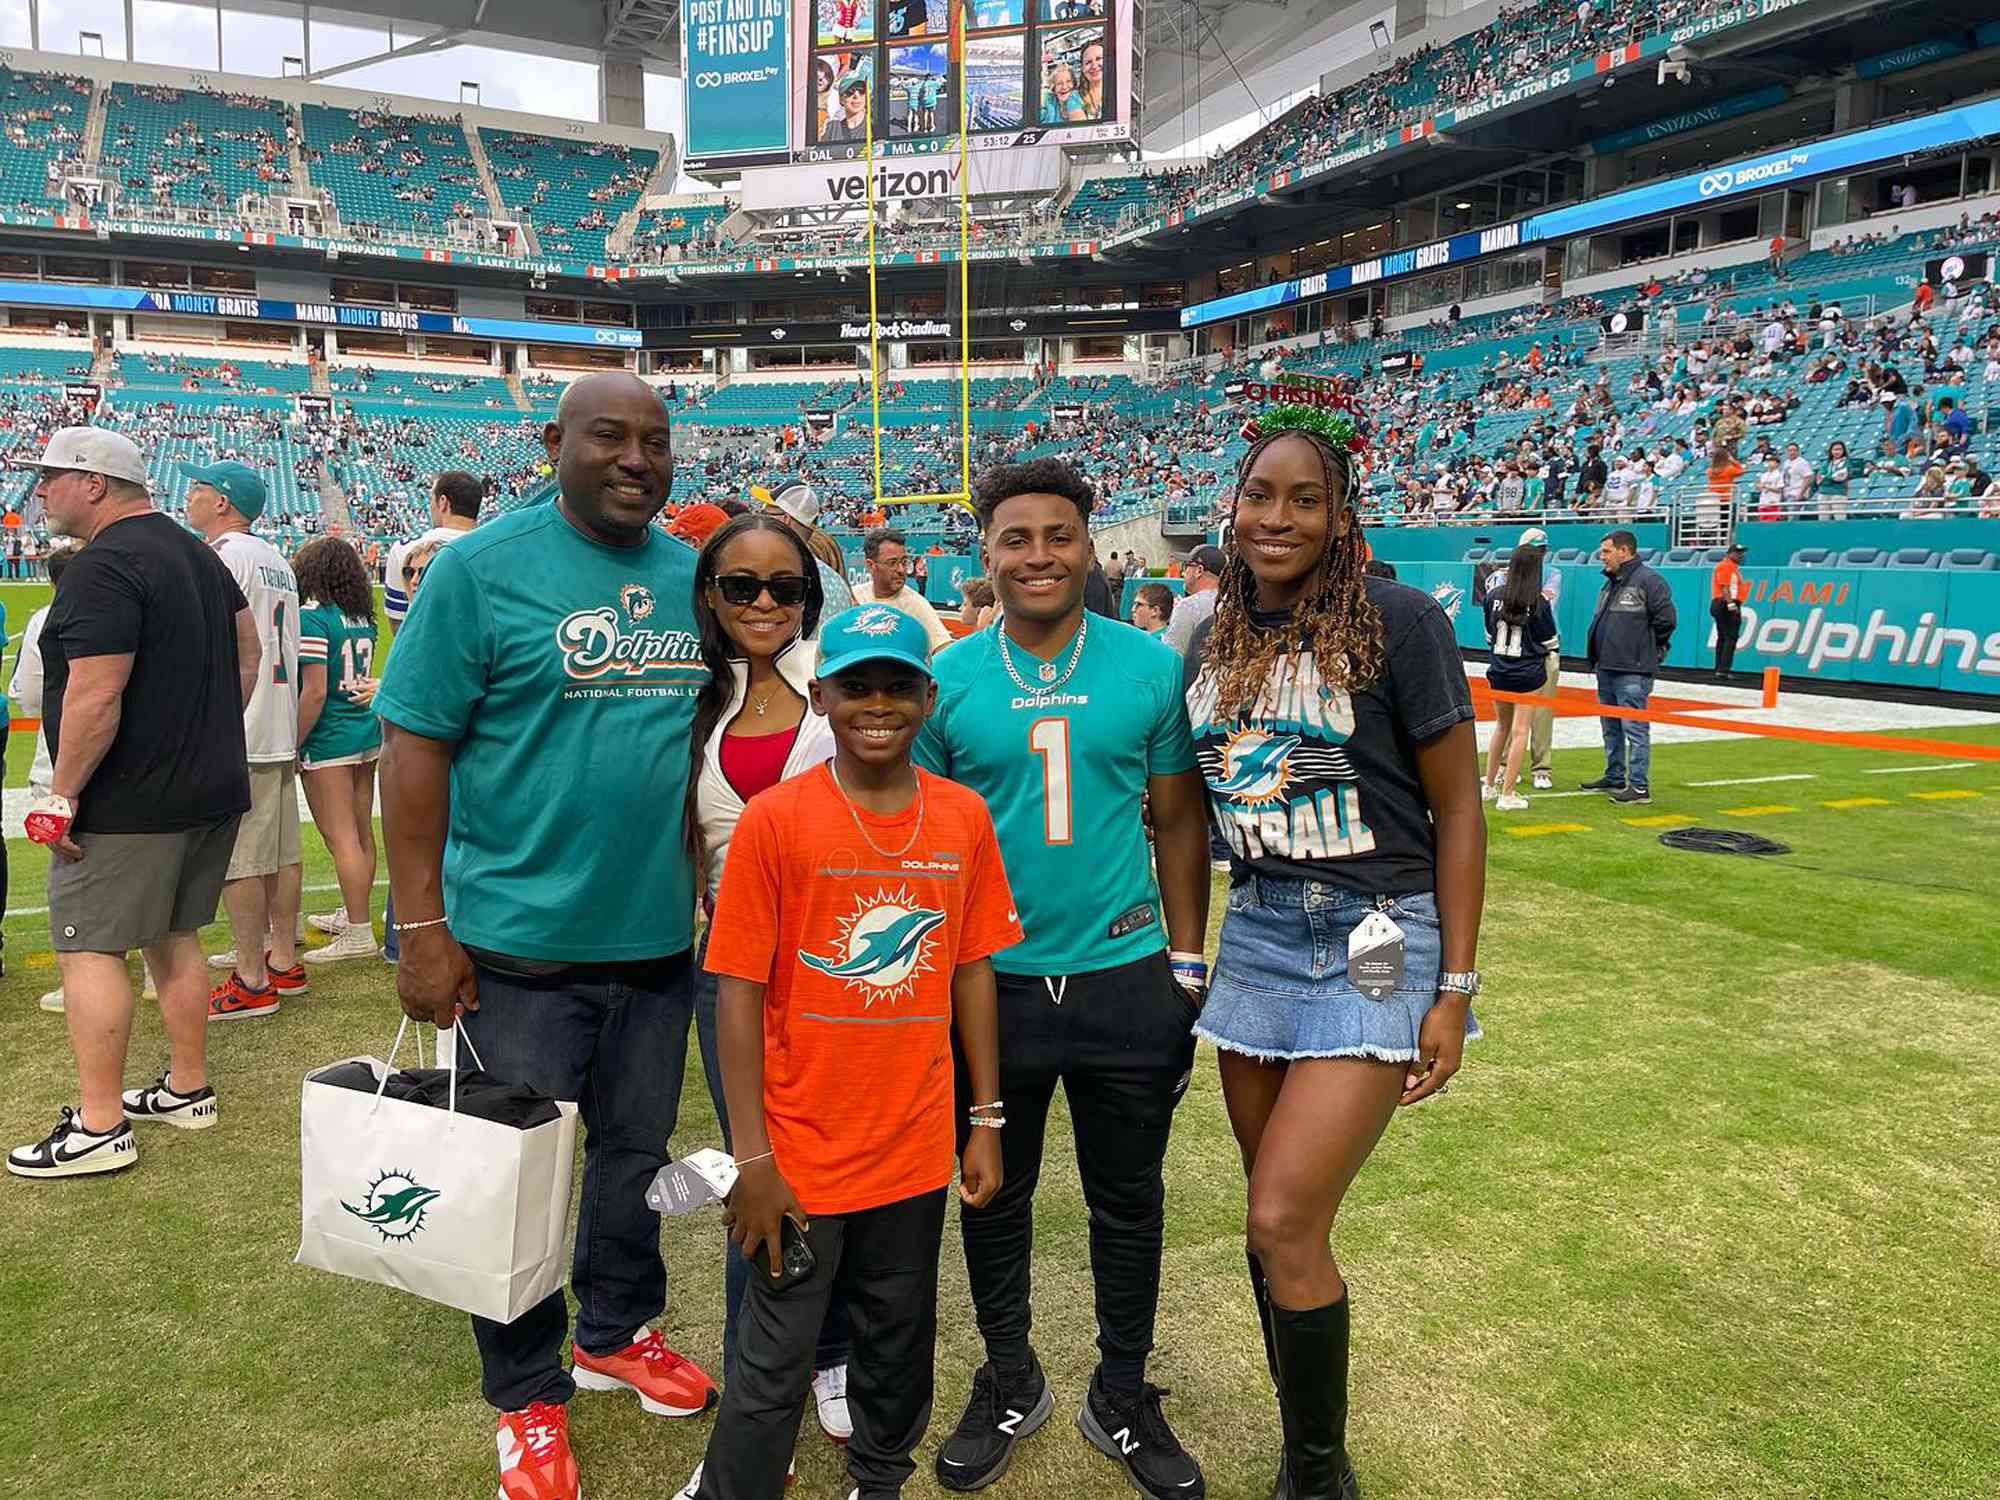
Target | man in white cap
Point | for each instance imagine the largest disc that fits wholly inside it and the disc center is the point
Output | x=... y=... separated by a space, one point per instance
x=262 y=894
x=799 y=505
x=150 y=654
x=1541 y=732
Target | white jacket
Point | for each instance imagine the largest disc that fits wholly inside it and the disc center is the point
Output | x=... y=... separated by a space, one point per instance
x=717 y=807
x=26 y=693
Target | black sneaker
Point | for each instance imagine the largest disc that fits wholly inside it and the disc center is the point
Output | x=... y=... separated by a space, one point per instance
x=1602 y=784
x=996 y=1418
x=158 y=1102
x=71 y=1151
x=1631 y=794
x=1133 y=1431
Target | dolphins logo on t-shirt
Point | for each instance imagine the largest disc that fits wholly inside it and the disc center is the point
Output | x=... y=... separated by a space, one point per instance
x=1255 y=765
x=882 y=946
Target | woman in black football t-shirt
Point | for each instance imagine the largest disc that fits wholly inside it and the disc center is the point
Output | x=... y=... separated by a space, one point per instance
x=1333 y=724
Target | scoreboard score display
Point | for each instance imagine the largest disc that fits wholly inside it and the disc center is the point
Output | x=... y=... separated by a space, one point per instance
x=807 y=81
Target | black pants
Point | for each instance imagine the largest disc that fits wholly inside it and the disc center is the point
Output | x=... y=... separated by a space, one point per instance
x=1119 y=1042
x=882 y=1263
x=1728 y=625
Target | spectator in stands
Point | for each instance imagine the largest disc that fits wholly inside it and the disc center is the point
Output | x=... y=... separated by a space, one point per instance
x=1153 y=607
x=1727 y=591
x=887 y=553
x=1630 y=631
x=1801 y=478
x=265 y=871
x=150 y=654
x=561 y=979
x=1953 y=428
x=977 y=610
x=1839 y=472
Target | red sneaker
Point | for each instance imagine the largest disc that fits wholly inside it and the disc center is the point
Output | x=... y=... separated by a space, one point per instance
x=233 y=1000
x=290 y=981
x=669 y=1384
x=535 y=1461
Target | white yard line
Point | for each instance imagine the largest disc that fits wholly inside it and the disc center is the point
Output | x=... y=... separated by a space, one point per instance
x=1756 y=780
x=37 y=911
x=1948 y=765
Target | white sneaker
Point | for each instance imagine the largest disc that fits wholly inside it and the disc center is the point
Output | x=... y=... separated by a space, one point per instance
x=71 y=1151
x=356 y=941
x=226 y=959
x=53 y=1001
x=830 y=1396
x=1543 y=781
x=1511 y=802
x=1487 y=790
x=332 y=923
x=692 y=1488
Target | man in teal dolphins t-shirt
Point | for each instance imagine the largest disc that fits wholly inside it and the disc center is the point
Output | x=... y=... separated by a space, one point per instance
x=537 y=710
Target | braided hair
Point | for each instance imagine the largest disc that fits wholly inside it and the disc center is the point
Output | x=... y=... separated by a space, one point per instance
x=1334 y=618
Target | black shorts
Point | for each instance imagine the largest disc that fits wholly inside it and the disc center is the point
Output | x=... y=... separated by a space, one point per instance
x=131 y=889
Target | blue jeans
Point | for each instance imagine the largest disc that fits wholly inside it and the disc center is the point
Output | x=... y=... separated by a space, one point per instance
x=392 y=946
x=835 y=1336
x=1628 y=743
x=614 y=1039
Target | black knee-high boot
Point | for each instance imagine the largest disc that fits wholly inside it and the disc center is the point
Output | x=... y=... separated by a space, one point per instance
x=1263 y=1295
x=1311 y=1350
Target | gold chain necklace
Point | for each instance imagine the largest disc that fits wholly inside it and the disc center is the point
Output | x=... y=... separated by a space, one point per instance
x=862 y=829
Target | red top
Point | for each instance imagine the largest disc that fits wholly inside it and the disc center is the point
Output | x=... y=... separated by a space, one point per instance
x=753 y=763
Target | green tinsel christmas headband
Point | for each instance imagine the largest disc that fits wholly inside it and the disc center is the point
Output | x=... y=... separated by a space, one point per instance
x=1332 y=425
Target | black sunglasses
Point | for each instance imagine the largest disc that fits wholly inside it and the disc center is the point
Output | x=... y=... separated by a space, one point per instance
x=786 y=590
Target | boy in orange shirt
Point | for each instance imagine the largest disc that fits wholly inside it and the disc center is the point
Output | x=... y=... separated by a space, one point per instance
x=857 y=912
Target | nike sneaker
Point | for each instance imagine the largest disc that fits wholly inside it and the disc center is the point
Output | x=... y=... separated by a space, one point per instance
x=233 y=1000
x=71 y=1151
x=290 y=981
x=667 y=1384
x=1130 y=1429
x=998 y=1415
x=158 y=1102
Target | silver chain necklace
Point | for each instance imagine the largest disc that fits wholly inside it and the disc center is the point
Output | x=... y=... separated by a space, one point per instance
x=1045 y=670
x=862 y=828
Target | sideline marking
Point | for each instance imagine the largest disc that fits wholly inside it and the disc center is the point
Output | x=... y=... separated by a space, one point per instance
x=1535 y=830
x=39 y=911
x=1857 y=802
x=1658 y=820
x=1763 y=810
x=1950 y=765
x=1942 y=795
x=1758 y=780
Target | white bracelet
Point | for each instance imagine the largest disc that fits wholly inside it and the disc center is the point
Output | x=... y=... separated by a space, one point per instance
x=413 y=926
x=744 y=1161
x=989 y=1122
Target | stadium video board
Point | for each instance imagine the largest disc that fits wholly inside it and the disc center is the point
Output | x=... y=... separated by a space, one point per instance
x=804 y=81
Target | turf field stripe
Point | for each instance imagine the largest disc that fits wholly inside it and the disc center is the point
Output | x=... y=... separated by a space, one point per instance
x=1536 y=830
x=1857 y=802
x=1658 y=820
x=1949 y=765
x=1940 y=796
x=1757 y=780
x=1762 y=810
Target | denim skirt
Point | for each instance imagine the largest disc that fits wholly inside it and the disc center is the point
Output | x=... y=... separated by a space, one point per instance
x=1280 y=989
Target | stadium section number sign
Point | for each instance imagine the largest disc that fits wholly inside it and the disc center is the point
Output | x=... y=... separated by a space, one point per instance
x=735 y=61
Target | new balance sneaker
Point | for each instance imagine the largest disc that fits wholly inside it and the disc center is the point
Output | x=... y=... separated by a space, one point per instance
x=1130 y=1429
x=1544 y=782
x=997 y=1416
x=332 y=923
x=830 y=1398
x=1511 y=802
x=226 y=959
x=233 y=1000
x=71 y=1151
x=290 y=981
x=157 y=1101
x=1601 y=784
x=668 y=1384
x=52 y=1000
x=535 y=1461
x=1627 y=796
x=355 y=941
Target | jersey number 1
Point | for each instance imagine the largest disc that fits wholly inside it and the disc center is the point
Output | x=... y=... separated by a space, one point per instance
x=278 y=630
x=1049 y=738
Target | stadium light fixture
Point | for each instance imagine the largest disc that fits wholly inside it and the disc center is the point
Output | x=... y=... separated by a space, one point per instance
x=1378 y=36
x=468 y=92
x=84 y=38
x=291 y=67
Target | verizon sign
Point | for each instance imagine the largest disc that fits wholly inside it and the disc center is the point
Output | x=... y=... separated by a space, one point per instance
x=906 y=179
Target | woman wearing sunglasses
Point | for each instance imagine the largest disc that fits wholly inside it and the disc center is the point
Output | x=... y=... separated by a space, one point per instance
x=757 y=600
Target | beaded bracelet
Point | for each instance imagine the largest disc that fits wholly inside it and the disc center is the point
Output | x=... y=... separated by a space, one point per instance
x=413 y=926
x=989 y=1122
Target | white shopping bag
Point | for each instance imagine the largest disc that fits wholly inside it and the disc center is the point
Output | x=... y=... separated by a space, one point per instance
x=468 y=1212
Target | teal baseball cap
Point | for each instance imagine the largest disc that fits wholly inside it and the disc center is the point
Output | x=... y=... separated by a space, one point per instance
x=239 y=483
x=872 y=632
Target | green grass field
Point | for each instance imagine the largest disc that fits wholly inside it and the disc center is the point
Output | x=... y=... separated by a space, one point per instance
x=1710 y=1212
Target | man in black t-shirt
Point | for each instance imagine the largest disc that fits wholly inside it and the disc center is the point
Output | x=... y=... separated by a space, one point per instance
x=149 y=655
